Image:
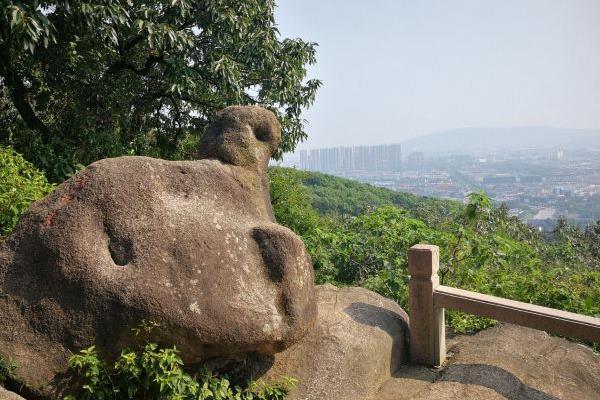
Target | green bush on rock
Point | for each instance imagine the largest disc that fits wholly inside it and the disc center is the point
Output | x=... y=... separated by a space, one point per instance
x=156 y=372
x=20 y=185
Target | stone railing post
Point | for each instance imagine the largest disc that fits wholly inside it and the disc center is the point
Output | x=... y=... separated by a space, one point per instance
x=427 y=332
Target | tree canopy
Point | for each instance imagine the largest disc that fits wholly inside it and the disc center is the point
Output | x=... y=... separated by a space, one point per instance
x=84 y=80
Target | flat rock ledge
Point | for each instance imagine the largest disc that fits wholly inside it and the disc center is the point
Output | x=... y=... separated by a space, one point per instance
x=358 y=351
x=357 y=344
x=504 y=362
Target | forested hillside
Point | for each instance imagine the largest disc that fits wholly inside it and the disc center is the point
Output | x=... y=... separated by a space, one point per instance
x=358 y=234
x=333 y=195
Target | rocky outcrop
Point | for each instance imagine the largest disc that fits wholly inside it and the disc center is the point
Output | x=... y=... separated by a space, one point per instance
x=504 y=362
x=357 y=343
x=192 y=245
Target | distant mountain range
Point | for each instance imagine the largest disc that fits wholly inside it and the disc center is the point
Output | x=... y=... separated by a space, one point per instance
x=476 y=140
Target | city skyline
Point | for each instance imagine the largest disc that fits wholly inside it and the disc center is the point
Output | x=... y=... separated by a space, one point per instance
x=537 y=186
x=486 y=141
x=352 y=158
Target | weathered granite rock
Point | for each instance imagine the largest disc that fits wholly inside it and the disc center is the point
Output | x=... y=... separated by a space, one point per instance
x=192 y=245
x=504 y=362
x=356 y=345
x=8 y=395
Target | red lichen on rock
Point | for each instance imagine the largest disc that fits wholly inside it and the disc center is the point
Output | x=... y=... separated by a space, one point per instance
x=48 y=220
x=65 y=199
x=82 y=182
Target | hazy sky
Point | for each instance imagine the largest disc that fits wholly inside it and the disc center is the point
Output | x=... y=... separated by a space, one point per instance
x=397 y=69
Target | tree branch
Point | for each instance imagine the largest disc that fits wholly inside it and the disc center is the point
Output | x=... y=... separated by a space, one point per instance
x=183 y=97
x=177 y=120
x=143 y=71
x=18 y=94
x=131 y=42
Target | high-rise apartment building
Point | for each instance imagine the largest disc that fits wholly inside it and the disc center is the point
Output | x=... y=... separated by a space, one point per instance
x=353 y=159
x=416 y=160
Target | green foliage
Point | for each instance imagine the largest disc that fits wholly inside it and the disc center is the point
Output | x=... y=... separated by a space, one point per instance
x=7 y=370
x=482 y=248
x=86 y=80
x=20 y=184
x=292 y=202
x=156 y=372
x=374 y=241
x=592 y=240
x=145 y=327
x=337 y=196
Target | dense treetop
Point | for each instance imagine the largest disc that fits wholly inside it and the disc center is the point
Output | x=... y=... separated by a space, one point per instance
x=83 y=80
x=20 y=185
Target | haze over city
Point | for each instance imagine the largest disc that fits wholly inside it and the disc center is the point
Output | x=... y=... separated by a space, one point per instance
x=396 y=70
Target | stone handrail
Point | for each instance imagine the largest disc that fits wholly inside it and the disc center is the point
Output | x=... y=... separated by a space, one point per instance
x=428 y=299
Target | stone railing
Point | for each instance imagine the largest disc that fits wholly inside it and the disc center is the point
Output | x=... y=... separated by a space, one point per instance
x=428 y=299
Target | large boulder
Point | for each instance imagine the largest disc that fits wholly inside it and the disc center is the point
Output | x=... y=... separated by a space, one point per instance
x=359 y=341
x=504 y=362
x=192 y=245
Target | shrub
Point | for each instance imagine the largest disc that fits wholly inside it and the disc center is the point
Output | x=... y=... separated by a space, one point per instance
x=292 y=201
x=156 y=372
x=20 y=185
